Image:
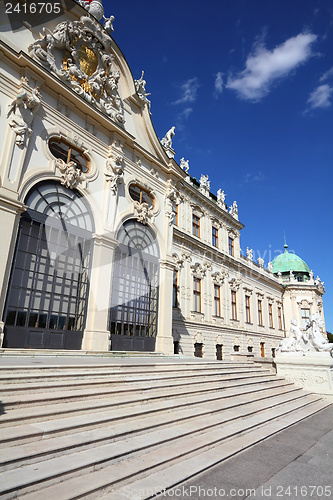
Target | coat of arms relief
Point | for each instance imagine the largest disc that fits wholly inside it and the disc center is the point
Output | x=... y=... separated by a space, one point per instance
x=78 y=52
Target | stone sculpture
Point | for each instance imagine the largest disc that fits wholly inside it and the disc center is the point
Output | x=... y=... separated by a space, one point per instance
x=167 y=139
x=184 y=165
x=114 y=171
x=21 y=113
x=71 y=174
x=308 y=339
x=140 y=87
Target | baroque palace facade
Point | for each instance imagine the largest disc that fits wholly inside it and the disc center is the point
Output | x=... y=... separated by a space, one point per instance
x=108 y=243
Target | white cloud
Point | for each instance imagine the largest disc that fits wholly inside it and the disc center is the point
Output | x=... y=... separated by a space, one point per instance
x=218 y=84
x=189 y=91
x=264 y=67
x=320 y=97
x=326 y=75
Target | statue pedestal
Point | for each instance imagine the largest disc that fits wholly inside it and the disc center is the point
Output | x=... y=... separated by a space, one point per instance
x=313 y=371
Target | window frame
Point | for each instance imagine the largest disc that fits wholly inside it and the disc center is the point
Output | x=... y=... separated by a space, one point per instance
x=197 y=294
x=248 y=309
x=196 y=225
x=280 y=318
x=233 y=305
x=260 y=317
x=217 y=300
x=231 y=246
x=215 y=236
x=270 y=315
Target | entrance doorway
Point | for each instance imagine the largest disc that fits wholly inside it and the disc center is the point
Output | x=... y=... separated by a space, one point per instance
x=48 y=290
x=135 y=289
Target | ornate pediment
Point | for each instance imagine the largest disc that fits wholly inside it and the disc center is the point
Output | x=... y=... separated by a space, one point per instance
x=78 y=52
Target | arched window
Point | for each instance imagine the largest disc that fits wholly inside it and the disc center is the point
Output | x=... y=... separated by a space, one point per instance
x=65 y=151
x=47 y=297
x=134 y=293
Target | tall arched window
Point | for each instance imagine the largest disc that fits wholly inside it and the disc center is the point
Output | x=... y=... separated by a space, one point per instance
x=47 y=296
x=134 y=293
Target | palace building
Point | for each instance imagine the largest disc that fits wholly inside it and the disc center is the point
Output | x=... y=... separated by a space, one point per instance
x=107 y=242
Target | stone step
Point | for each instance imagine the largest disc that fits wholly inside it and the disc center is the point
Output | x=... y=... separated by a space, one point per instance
x=145 y=452
x=154 y=380
x=146 y=392
x=152 y=483
x=16 y=424
x=34 y=375
x=13 y=456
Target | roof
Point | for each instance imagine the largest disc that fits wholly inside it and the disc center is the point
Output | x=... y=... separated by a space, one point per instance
x=286 y=262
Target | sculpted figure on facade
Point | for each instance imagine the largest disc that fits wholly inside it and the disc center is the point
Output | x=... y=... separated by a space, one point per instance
x=71 y=174
x=221 y=198
x=142 y=212
x=260 y=261
x=270 y=267
x=167 y=139
x=114 y=171
x=21 y=113
x=172 y=199
x=140 y=87
x=249 y=253
x=78 y=52
x=233 y=210
x=204 y=184
x=108 y=23
x=184 y=165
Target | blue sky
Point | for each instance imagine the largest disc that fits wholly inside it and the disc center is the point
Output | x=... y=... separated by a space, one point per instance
x=249 y=86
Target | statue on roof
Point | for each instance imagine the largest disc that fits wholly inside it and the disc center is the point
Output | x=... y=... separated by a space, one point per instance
x=140 y=87
x=167 y=139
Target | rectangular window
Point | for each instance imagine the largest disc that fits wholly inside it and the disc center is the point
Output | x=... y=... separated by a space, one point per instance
x=198 y=351
x=260 y=313
x=215 y=237
x=231 y=246
x=217 y=301
x=270 y=315
x=280 y=317
x=196 y=225
x=233 y=305
x=197 y=294
x=175 y=289
x=305 y=316
x=247 y=309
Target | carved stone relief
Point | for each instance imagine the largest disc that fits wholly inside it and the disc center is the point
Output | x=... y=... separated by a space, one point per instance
x=71 y=175
x=78 y=52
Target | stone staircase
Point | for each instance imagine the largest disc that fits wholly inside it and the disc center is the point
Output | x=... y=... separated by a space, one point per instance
x=109 y=430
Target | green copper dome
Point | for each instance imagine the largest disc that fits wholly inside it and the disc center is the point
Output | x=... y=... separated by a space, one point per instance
x=285 y=262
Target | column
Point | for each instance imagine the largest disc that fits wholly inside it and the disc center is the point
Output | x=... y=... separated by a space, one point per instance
x=96 y=334
x=164 y=339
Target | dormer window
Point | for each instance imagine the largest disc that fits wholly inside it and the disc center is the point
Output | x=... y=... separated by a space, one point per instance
x=66 y=152
x=137 y=193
